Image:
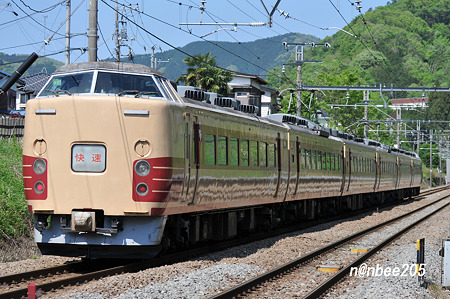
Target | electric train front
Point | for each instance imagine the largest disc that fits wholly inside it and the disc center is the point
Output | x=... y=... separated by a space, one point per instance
x=92 y=158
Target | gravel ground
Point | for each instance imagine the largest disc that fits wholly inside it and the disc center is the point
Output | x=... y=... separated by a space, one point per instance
x=200 y=277
x=402 y=254
x=306 y=278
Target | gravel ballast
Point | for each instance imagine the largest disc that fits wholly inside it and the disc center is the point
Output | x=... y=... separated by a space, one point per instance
x=201 y=277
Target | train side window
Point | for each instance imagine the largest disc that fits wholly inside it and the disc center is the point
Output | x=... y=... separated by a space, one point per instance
x=263 y=154
x=253 y=153
x=328 y=161
x=271 y=155
x=234 y=152
x=324 y=161
x=314 y=159
x=309 y=159
x=303 y=159
x=222 y=153
x=244 y=152
x=210 y=149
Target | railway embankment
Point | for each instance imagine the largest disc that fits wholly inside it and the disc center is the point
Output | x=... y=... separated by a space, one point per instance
x=16 y=242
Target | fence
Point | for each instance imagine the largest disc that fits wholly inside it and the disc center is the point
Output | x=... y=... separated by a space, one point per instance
x=11 y=127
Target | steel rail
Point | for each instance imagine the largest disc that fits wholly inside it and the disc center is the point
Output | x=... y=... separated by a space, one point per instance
x=19 y=277
x=253 y=283
x=329 y=283
x=133 y=267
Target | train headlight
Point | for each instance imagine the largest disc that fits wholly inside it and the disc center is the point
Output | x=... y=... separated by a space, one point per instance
x=142 y=168
x=142 y=189
x=39 y=166
x=39 y=187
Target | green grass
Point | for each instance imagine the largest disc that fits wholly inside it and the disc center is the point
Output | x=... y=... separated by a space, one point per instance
x=15 y=220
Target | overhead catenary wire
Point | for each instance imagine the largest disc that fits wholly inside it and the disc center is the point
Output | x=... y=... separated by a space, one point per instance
x=28 y=15
x=179 y=28
x=45 y=10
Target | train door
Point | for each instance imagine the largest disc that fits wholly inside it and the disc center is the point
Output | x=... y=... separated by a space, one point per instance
x=298 y=156
x=344 y=166
x=349 y=165
x=288 y=166
x=377 y=174
x=411 y=173
x=380 y=170
x=195 y=159
x=192 y=138
x=397 y=172
x=278 y=151
x=187 y=156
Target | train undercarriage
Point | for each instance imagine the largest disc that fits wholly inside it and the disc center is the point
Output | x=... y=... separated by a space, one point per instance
x=181 y=231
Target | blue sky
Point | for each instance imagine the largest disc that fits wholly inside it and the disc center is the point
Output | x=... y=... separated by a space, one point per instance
x=22 y=34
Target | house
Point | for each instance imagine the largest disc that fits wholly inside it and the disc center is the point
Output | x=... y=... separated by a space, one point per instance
x=410 y=103
x=8 y=99
x=250 y=90
x=269 y=101
x=30 y=87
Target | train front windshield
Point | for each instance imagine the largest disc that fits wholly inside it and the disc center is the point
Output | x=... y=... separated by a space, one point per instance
x=104 y=83
x=68 y=84
x=113 y=83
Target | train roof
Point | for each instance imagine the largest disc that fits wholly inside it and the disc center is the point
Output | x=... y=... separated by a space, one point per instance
x=109 y=66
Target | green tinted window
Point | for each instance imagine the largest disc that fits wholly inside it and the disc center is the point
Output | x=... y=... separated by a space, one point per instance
x=271 y=155
x=234 y=152
x=253 y=153
x=210 y=149
x=222 y=155
x=244 y=152
x=262 y=154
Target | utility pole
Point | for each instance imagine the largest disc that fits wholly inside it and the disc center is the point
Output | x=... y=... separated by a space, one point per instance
x=153 y=60
x=399 y=117
x=418 y=136
x=431 y=159
x=92 y=31
x=117 y=33
x=366 y=112
x=440 y=165
x=299 y=62
x=68 y=32
x=299 y=57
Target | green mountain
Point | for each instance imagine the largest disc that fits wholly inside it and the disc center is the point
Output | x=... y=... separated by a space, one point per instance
x=256 y=57
x=405 y=43
x=10 y=63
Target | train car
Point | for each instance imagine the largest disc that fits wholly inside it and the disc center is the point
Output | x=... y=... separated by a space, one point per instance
x=117 y=164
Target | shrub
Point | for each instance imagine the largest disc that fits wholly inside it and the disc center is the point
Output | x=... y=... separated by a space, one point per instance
x=15 y=220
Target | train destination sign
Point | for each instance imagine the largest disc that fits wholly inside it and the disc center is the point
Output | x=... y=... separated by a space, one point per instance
x=88 y=158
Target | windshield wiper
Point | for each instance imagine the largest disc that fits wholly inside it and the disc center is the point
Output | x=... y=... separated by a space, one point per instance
x=63 y=91
x=57 y=92
x=145 y=93
x=128 y=92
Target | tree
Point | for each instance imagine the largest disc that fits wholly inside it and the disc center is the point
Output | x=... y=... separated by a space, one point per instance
x=203 y=72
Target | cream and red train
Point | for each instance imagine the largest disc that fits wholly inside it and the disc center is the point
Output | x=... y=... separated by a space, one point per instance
x=116 y=164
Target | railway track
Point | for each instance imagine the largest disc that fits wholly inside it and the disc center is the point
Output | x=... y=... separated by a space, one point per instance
x=302 y=267
x=15 y=286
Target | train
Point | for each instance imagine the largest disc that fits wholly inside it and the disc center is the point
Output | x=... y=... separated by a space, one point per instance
x=117 y=164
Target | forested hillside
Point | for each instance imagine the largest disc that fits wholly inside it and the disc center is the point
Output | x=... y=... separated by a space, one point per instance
x=10 y=63
x=405 y=43
x=270 y=54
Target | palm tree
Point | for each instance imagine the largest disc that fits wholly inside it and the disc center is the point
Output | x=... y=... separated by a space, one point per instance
x=203 y=72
